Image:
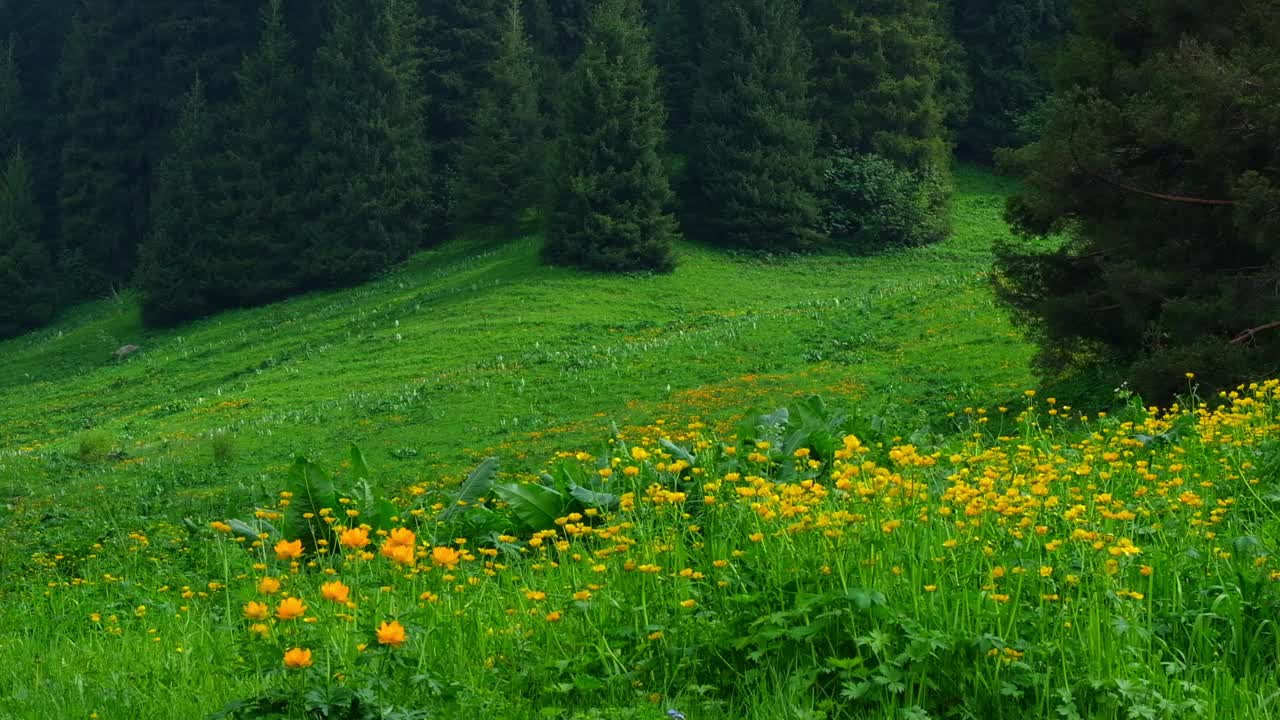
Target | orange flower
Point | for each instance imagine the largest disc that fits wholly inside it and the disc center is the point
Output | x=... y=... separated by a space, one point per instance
x=553 y=616
x=289 y=550
x=268 y=586
x=256 y=611
x=290 y=608
x=402 y=536
x=336 y=592
x=297 y=658
x=445 y=557
x=402 y=554
x=355 y=538
x=391 y=633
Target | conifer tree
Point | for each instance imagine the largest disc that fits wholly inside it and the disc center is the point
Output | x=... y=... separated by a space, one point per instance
x=259 y=257
x=357 y=157
x=186 y=229
x=407 y=204
x=608 y=210
x=27 y=289
x=878 y=70
x=676 y=38
x=103 y=193
x=10 y=96
x=753 y=170
x=501 y=172
x=1160 y=159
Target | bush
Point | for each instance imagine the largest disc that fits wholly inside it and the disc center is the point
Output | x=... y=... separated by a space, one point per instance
x=95 y=446
x=223 y=447
x=870 y=203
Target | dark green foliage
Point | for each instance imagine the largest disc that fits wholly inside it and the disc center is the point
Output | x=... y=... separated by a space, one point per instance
x=676 y=39
x=407 y=207
x=27 y=293
x=10 y=96
x=365 y=204
x=753 y=171
x=879 y=71
x=501 y=172
x=463 y=37
x=1164 y=115
x=608 y=210
x=1007 y=44
x=869 y=202
x=176 y=261
x=103 y=195
x=258 y=259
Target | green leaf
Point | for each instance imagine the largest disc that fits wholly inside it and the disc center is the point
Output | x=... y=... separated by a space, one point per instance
x=477 y=485
x=359 y=470
x=537 y=506
x=593 y=498
x=312 y=491
x=678 y=451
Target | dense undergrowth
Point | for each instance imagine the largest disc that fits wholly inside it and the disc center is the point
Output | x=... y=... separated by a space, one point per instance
x=1043 y=563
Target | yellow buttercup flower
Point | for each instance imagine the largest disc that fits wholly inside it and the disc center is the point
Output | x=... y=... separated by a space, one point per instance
x=354 y=539
x=268 y=586
x=254 y=610
x=391 y=633
x=445 y=557
x=336 y=591
x=297 y=658
x=290 y=608
x=289 y=549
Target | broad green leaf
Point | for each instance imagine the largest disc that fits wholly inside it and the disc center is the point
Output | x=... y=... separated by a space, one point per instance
x=537 y=506
x=477 y=485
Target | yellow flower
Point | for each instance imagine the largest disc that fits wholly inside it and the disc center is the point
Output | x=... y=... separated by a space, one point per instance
x=268 y=586
x=688 y=603
x=260 y=629
x=336 y=592
x=402 y=536
x=535 y=595
x=290 y=608
x=402 y=554
x=582 y=595
x=256 y=611
x=297 y=658
x=354 y=539
x=391 y=633
x=553 y=616
x=220 y=526
x=289 y=550
x=445 y=557
x=930 y=588
x=1046 y=570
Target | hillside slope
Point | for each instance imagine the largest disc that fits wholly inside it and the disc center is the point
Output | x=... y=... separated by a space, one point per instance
x=474 y=347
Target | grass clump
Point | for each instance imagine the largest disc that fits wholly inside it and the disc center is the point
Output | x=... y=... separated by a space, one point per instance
x=95 y=446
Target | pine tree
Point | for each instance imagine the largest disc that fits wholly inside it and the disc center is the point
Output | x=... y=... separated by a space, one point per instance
x=676 y=38
x=362 y=214
x=176 y=260
x=753 y=171
x=407 y=204
x=1160 y=158
x=609 y=206
x=878 y=72
x=501 y=172
x=10 y=96
x=103 y=194
x=259 y=258
x=1006 y=45
x=463 y=39
x=27 y=290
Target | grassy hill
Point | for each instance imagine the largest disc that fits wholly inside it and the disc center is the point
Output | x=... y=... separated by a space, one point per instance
x=469 y=350
x=475 y=349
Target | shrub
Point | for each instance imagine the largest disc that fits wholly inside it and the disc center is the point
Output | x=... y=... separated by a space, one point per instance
x=95 y=446
x=868 y=202
x=223 y=447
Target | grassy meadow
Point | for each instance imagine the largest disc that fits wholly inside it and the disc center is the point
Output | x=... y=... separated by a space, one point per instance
x=931 y=540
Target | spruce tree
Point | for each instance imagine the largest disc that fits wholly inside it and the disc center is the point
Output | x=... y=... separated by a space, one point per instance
x=753 y=170
x=878 y=75
x=186 y=225
x=501 y=171
x=1156 y=190
x=361 y=216
x=103 y=193
x=1007 y=45
x=258 y=259
x=608 y=210
x=27 y=289
x=407 y=204
x=10 y=96
x=676 y=39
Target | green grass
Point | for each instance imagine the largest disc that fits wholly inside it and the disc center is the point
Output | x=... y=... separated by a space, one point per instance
x=470 y=350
